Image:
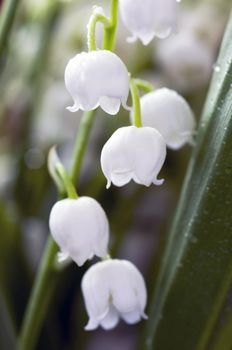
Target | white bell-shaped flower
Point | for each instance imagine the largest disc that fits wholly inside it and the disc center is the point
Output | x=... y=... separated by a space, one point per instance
x=97 y=78
x=80 y=228
x=133 y=153
x=113 y=289
x=169 y=113
x=146 y=19
x=185 y=60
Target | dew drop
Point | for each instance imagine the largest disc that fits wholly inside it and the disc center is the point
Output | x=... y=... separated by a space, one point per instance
x=216 y=68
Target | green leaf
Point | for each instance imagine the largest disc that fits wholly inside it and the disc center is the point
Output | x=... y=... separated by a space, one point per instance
x=223 y=335
x=7 y=332
x=196 y=272
x=53 y=161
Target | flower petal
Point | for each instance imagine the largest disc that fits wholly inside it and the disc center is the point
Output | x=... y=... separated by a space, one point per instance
x=74 y=108
x=114 y=159
x=62 y=256
x=147 y=152
x=95 y=288
x=131 y=317
x=121 y=177
x=111 y=319
x=109 y=104
x=92 y=324
x=131 y=39
x=133 y=293
x=162 y=31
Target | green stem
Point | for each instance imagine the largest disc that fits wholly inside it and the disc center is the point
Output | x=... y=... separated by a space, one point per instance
x=94 y=19
x=110 y=32
x=144 y=85
x=47 y=275
x=80 y=145
x=110 y=28
x=70 y=189
x=136 y=104
x=40 y=298
x=9 y=8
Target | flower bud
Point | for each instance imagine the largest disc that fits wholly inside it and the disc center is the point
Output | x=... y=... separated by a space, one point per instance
x=133 y=153
x=97 y=78
x=80 y=228
x=113 y=289
x=148 y=18
x=169 y=113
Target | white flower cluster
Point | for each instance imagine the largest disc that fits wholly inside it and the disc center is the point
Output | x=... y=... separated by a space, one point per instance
x=101 y=78
x=115 y=288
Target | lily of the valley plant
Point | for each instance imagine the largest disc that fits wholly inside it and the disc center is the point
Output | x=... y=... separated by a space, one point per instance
x=115 y=288
x=112 y=288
